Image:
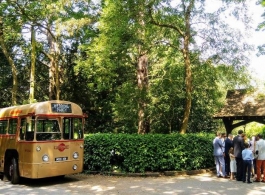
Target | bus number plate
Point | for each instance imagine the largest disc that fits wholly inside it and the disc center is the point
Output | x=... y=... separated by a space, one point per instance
x=61 y=158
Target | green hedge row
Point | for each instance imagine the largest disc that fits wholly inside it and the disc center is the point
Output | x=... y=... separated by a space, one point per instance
x=152 y=152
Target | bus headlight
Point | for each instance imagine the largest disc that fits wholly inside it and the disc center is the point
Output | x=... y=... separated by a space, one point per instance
x=45 y=158
x=38 y=148
x=74 y=167
x=75 y=155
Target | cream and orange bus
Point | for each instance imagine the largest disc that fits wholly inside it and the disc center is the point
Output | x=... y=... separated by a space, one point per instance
x=41 y=140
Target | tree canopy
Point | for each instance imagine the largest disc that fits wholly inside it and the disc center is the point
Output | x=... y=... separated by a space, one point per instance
x=135 y=66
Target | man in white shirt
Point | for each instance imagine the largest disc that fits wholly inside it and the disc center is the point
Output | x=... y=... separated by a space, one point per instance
x=260 y=163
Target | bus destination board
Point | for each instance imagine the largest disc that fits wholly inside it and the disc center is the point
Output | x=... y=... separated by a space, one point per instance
x=61 y=108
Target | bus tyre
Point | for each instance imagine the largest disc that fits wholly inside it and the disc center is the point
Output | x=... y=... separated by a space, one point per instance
x=13 y=171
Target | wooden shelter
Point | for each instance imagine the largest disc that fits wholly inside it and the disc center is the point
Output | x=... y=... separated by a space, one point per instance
x=242 y=106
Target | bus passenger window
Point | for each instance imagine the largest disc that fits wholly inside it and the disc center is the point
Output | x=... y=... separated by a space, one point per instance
x=22 y=129
x=12 y=126
x=3 y=126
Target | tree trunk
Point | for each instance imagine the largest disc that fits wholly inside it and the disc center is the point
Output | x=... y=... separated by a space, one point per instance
x=51 y=80
x=54 y=80
x=185 y=33
x=33 y=65
x=11 y=63
x=142 y=81
x=188 y=79
x=57 y=80
x=188 y=86
x=142 y=76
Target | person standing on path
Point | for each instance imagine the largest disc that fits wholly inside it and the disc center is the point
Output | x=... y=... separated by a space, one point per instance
x=219 y=152
x=260 y=163
x=253 y=148
x=228 y=145
x=247 y=156
x=238 y=143
x=232 y=164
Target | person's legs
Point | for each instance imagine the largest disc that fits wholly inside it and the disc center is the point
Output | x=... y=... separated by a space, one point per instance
x=227 y=164
x=217 y=165
x=231 y=175
x=222 y=164
x=254 y=165
x=237 y=170
x=263 y=169
x=249 y=165
x=239 y=167
x=244 y=171
x=252 y=169
x=258 y=169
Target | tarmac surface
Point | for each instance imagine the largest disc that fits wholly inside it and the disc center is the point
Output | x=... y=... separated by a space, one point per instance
x=201 y=184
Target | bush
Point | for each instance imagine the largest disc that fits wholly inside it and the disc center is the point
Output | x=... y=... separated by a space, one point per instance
x=151 y=152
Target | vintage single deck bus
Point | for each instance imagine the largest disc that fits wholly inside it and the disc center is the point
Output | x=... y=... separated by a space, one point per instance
x=41 y=140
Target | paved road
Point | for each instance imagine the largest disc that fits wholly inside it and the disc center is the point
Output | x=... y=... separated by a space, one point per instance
x=204 y=184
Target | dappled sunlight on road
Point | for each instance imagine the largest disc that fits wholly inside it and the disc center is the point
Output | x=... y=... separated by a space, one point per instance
x=111 y=185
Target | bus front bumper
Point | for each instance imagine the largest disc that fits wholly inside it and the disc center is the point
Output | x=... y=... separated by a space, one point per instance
x=43 y=170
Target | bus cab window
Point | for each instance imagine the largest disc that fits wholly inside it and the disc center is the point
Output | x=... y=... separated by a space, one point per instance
x=72 y=128
x=48 y=129
x=30 y=126
x=78 y=130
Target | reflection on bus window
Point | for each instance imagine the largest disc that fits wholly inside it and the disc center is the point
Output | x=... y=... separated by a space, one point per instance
x=48 y=129
x=72 y=128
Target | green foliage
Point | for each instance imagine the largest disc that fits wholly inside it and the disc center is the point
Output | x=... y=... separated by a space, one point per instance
x=152 y=152
x=5 y=80
x=251 y=129
x=99 y=48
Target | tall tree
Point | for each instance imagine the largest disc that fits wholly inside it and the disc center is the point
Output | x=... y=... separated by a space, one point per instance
x=33 y=65
x=8 y=55
x=50 y=19
x=122 y=50
x=184 y=17
x=185 y=33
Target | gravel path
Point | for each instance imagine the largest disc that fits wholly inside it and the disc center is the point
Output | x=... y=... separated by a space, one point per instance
x=203 y=184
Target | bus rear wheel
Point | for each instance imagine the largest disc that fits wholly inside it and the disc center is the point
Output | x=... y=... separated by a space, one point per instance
x=13 y=171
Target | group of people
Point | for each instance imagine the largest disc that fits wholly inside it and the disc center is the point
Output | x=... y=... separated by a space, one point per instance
x=237 y=157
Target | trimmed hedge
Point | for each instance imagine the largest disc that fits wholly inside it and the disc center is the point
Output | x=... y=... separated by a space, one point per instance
x=151 y=152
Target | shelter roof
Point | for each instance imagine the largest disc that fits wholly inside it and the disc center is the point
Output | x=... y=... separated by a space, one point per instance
x=243 y=104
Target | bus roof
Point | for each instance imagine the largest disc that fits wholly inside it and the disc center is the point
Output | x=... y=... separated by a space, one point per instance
x=53 y=107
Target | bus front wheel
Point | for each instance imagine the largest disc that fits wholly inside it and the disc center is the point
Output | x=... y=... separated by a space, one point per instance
x=13 y=171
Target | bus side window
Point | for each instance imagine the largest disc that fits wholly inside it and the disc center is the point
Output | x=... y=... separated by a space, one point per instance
x=22 y=129
x=12 y=126
x=3 y=126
